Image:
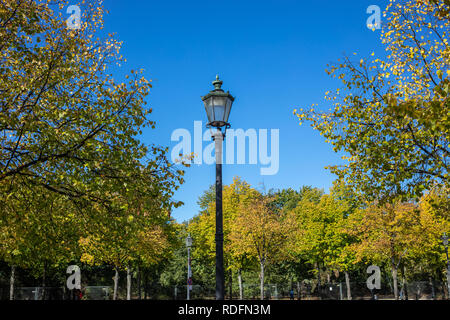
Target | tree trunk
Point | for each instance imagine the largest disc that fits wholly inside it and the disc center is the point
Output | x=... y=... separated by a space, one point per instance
x=241 y=291
x=145 y=285
x=347 y=284
x=262 y=281
x=448 y=281
x=11 y=282
x=128 y=283
x=318 y=281
x=299 y=290
x=139 y=282
x=433 y=290
x=405 y=289
x=116 y=283
x=231 y=285
x=394 y=279
x=43 y=282
x=445 y=287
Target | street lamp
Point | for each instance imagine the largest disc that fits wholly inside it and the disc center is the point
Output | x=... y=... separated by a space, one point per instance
x=189 y=273
x=218 y=105
x=445 y=242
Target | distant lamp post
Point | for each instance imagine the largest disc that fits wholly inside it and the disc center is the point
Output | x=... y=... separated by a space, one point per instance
x=189 y=273
x=445 y=242
x=218 y=106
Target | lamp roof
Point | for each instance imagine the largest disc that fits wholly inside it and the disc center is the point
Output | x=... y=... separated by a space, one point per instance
x=218 y=91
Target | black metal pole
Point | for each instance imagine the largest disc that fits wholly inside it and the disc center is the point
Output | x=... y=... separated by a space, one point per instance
x=220 y=274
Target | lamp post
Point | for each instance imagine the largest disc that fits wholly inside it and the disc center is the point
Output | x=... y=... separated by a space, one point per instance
x=445 y=242
x=218 y=105
x=189 y=273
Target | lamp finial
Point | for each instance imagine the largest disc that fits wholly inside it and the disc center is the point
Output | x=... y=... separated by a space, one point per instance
x=217 y=84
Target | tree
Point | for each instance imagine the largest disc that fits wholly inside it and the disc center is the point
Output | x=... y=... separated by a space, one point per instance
x=310 y=224
x=285 y=199
x=344 y=203
x=136 y=230
x=65 y=123
x=391 y=116
x=259 y=232
x=392 y=233
x=202 y=229
x=69 y=148
x=429 y=255
x=29 y=217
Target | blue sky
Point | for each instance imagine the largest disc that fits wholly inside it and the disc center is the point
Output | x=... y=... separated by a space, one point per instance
x=271 y=55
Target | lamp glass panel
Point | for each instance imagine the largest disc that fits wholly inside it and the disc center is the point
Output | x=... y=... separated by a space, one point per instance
x=209 y=109
x=227 y=109
x=219 y=108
